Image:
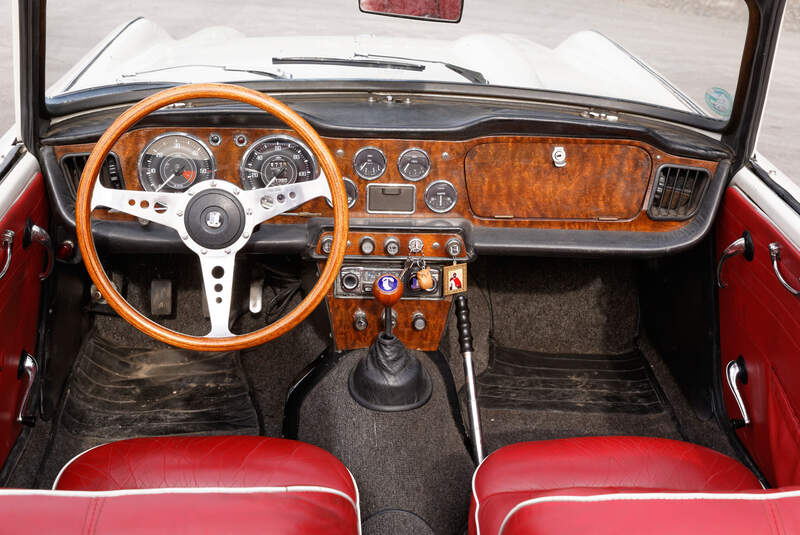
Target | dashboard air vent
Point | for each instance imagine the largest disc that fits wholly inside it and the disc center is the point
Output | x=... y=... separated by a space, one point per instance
x=677 y=192
x=110 y=173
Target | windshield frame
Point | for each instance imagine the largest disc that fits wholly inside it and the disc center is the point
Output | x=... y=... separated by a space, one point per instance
x=764 y=20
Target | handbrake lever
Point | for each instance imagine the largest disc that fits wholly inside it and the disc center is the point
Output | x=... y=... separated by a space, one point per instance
x=465 y=341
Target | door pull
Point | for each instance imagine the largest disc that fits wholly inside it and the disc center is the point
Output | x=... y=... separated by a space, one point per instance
x=742 y=246
x=36 y=234
x=7 y=239
x=735 y=372
x=29 y=370
x=775 y=254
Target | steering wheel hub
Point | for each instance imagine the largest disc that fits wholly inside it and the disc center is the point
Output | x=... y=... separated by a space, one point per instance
x=215 y=219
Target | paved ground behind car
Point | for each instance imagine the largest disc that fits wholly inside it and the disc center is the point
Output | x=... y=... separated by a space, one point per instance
x=68 y=40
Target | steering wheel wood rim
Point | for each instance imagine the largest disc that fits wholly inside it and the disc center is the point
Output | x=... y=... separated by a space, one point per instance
x=83 y=212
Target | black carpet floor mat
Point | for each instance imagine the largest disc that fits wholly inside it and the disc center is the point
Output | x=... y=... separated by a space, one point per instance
x=525 y=380
x=412 y=468
x=525 y=395
x=118 y=392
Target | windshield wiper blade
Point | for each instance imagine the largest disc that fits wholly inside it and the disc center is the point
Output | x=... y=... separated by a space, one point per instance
x=257 y=72
x=473 y=76
x=348 y=62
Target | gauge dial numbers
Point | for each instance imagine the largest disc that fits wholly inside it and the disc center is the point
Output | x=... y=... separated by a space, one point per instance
x=440 y=196
x=277 y=161
x=175 y=161
x=414 y=164
x=369 y=163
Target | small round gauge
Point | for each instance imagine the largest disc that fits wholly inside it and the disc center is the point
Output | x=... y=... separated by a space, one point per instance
x=414 y=164
x=369 y=163
x=175 y=161
x=277 y=161
x=441 y=196
x=352 y=193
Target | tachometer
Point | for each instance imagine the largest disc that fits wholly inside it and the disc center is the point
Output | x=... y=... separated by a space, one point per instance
x=276 y=161
x=175 y=161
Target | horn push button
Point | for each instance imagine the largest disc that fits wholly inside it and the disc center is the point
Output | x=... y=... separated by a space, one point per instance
x=214 y=219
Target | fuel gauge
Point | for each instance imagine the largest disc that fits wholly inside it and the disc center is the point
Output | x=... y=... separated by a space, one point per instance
x=369 y=163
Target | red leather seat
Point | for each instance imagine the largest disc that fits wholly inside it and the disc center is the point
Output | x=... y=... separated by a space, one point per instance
x=756 y=513
x=279 y=485
x=596 y=465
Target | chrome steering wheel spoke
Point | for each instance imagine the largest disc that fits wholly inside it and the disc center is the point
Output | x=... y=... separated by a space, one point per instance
x=157 y=207
x=272 y=201
x=218 y=268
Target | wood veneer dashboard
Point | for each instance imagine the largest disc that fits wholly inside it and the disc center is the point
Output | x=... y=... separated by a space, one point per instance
x=500 y=181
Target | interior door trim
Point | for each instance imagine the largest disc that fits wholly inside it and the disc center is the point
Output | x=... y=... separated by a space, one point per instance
x=769 y=203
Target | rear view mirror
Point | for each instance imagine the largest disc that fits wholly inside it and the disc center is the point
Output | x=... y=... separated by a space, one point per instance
x=433 y=10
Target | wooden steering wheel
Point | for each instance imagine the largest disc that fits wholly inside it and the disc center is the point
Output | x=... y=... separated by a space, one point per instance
x=214 y=219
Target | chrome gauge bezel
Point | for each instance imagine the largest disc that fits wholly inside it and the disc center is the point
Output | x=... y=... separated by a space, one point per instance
x=254 y=144
x=385 y=162
x=159 y=137
x=349 y=204
x=425 y=196
x=427 y=171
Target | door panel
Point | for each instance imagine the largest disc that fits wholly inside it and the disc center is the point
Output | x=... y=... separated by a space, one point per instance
x=760 y=320
x=22 y=196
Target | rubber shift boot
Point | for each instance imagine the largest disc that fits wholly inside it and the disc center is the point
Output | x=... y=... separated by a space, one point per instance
x=389 y=378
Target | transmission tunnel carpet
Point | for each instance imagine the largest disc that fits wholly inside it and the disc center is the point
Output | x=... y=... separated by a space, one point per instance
x=525 y=395
x=120 y=392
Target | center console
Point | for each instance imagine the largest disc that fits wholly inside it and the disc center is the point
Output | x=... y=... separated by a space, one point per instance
x=420 y=316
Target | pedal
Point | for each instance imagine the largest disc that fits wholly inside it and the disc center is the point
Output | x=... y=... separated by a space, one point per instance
x=161 y=297
x=256 y=296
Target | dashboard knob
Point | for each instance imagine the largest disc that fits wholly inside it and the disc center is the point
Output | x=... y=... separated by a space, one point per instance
x=367 y=245
x=327 y=245
x=418 y=321
x=360 y=322
x=391 y=245
x=415 y=245
x=453 y=247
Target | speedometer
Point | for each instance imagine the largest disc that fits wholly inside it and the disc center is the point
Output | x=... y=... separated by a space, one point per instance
x=175 y=161
x=276 y=161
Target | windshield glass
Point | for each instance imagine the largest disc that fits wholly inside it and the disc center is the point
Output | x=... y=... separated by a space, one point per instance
x=668 y=53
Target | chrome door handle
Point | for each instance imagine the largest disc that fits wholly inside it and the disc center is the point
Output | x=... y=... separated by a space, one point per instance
x=36 y=234
x=8 y=244
x=775 y=254
x=736 y=371
x=743 y=246
x=29 y=368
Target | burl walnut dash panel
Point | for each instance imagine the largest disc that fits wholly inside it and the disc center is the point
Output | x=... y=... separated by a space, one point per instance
x=597 y=181
x=346 y=337
x=610 y=207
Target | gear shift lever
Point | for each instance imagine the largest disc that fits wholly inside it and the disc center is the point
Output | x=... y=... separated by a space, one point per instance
x=389 y=378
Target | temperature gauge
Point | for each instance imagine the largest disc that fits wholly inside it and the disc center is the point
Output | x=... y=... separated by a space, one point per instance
x=441 y=196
